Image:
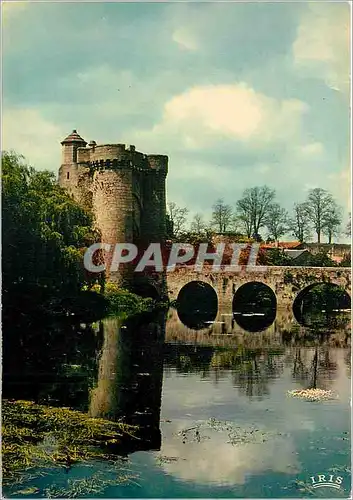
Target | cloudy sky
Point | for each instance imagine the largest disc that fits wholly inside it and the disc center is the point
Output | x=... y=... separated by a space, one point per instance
x=236 y=94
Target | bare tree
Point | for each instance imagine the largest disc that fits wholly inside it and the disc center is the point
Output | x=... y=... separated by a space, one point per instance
x=244 y=221
x=299 y=224
x=319 y=208
x=276 y=221
x=253 y=208
x=333 y=221
x=177 y=216
x=197 y=224
x=222 y=216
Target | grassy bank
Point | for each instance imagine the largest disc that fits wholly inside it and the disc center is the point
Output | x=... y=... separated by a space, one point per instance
x=122 y=303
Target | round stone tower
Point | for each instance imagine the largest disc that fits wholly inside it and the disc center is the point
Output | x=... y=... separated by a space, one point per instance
x=124 y=189
x=112 y=205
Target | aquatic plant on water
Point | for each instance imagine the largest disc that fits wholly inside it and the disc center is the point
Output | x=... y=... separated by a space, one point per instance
x=312 y=394
x=36 y=436
x=236 y=434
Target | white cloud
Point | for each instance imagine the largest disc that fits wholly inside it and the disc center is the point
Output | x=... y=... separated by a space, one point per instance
x=216 y=461
x=28 y=133
x=341 y=187
x=185 y=39
x=312 y=149
x=203 y=115
x=322 y=46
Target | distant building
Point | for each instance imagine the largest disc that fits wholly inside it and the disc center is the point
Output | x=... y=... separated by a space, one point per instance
x=282 y=244
x=299 y=257
x=336 y=251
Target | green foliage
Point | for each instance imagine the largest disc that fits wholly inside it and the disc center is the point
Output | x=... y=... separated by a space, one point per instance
x=327 y=296
x=287 y=277
x=321 y=259
x=45 y=233
x=122 y=302
x=276 y=257
x=346 y=261
x=42 y=436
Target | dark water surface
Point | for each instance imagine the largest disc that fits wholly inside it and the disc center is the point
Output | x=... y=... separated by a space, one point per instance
x=213 y=411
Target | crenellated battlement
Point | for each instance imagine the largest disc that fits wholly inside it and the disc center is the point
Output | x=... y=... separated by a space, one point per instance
x=119 y=156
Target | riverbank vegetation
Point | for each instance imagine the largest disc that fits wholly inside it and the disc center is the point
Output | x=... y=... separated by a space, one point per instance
x=121 y=302
x=36 y=436
x=45 y=235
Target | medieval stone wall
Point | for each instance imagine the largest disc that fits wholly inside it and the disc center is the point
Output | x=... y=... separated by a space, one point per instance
x=124 y=188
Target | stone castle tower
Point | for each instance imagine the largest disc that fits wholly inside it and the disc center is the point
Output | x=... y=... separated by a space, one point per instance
x=125 y=190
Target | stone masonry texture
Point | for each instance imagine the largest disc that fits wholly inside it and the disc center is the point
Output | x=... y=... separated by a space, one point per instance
x=124 y=189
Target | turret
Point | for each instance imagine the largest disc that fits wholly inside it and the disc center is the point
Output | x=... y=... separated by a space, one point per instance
x=72 y=176
x=69 y=147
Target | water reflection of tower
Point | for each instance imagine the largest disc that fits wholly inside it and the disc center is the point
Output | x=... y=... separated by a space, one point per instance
x=130 y=376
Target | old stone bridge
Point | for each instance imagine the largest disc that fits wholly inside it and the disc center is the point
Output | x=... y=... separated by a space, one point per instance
x=285 y=282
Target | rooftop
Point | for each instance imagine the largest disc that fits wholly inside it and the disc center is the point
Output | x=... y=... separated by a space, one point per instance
x=282 y=244
x=74 y=137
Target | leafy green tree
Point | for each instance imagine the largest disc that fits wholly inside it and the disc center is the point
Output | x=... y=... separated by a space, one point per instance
x=276 y=257
x=45 y=233
x=349 y=226
x=321 y=259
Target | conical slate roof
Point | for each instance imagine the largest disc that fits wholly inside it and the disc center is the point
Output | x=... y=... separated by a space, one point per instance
x=74 y=137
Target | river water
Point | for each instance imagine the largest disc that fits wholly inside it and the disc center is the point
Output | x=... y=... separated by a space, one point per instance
x=212 y=405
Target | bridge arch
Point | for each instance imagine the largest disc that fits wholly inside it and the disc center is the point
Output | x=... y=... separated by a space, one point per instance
x=197 y=304
x=323 y=302
x=285 y=281
x=254 y=306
